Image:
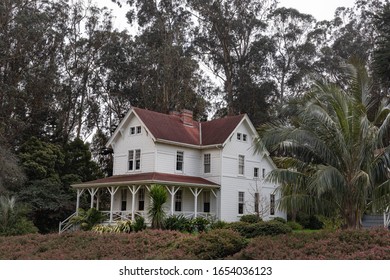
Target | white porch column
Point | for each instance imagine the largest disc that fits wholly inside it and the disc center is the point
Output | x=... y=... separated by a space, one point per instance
x=133 y=191
x=79 y=193
x=112 y=191
x=98 y=199
x=215 y=193
x=172 y=191
x=196 y=193
x=92 y=192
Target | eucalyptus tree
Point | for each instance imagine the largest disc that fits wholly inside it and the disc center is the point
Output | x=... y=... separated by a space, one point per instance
x=381 y=56
x=333 y=155
x=167 y=76
x=230 y=40
x=294 y=54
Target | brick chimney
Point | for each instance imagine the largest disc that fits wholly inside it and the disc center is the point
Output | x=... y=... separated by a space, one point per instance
x=186 y=117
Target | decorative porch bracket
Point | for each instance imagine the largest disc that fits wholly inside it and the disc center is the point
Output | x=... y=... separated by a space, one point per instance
x=133 y=189
x=112 y=191
x=172 y=191
x=79 y=193
x=196 y=193
x=92 y=192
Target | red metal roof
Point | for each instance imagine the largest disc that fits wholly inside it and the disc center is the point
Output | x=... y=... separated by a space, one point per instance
x=171 y=128
x=148 y=178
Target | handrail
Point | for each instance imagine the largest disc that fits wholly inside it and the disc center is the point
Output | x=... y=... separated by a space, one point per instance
x=66 y=224
x=386 y=217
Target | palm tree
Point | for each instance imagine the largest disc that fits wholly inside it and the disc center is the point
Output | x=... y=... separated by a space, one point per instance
x=157 y=214
x=333 y=154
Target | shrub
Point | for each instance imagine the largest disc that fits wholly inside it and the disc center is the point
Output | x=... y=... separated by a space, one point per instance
x=178 y=222
x=279 y=219
x=218 y=224
x=200 y=224
x=309 y=221
x=215 y=244
x=294 y=225
x=139 y=224
x=250 y=218
x=258 y=229
x=87 y=219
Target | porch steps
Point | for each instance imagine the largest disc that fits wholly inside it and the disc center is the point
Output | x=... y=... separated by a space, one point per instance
x=372 y=220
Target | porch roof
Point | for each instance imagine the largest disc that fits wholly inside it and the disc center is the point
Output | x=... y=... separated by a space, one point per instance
x=148 y=178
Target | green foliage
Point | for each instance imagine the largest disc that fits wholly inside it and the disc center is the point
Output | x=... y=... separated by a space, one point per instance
x=179 y=223
x=331 y=223
x=294 y=225
x=87 y=219
x=139 y=224
x=183 y=224
x=13 y=220
x=328 y=155
x=218 y=224
x=309 y=221
x=250 y=218
x=258 y=229
x=279 y=219
x=156 y=212
x=215 y=244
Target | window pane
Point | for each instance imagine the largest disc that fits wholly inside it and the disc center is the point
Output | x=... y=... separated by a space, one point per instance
x=137 y=159
x=179 y=161
x=244 y=137
x=241 y=162
x=131 y=160
x=138 y=129
x=132 y=130
x=272 y=204
x=256 y=172
x=178 y=199
x=238 y=136
x=240 y=202
x=207 y=163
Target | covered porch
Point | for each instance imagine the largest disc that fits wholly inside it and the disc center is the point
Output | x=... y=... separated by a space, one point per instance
x=124 y=197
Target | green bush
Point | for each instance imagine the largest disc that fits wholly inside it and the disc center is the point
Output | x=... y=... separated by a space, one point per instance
x=309 y=221
x=139 y=224
x=279 y=219
x=200 y=224
x=294 y=225
x=178 y=223
x=88 y=219
x=215 y=244
x=250 y=218
x=259 y=229
x=218 y=224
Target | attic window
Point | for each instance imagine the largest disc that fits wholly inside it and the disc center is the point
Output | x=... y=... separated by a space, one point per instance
x=135 y=130
x=244 y=137
x=239 y=136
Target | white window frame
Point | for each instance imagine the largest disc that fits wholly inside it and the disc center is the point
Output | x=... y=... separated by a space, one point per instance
x=179 y=163
x=241 y=203
x=207 y=163
x=255 y=172
x=241 y=165
x=134 y=160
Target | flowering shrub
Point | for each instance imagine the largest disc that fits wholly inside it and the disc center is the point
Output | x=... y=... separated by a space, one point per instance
x=250 y=230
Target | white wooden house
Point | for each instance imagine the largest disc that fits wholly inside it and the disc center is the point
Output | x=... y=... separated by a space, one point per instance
x=208 y=168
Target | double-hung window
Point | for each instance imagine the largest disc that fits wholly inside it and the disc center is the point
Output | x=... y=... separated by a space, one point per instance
x=141 y=199
x=178 y=199
x=207 y=163
x=272 y=205
x=179 y=160
x=241 y=202
x=241 y=164
x=134 y=160
x=256 y=172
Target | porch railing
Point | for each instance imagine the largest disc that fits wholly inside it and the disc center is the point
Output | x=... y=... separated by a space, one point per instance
x=66 y=224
